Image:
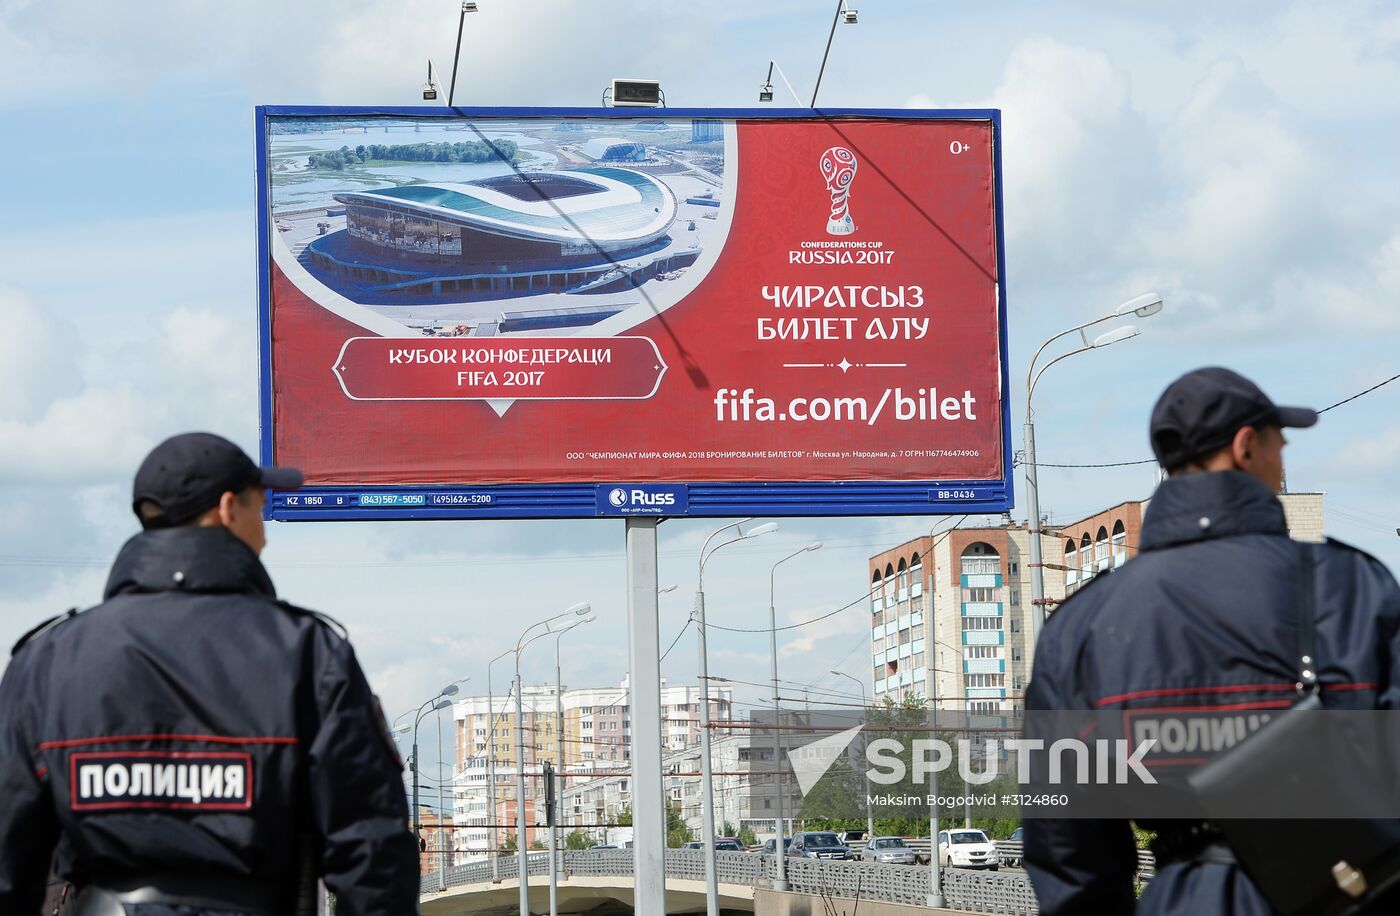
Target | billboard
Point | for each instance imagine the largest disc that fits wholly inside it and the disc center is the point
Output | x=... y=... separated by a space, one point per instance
x=474 y=313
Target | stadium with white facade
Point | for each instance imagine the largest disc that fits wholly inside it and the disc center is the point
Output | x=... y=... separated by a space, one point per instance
x=584 y=230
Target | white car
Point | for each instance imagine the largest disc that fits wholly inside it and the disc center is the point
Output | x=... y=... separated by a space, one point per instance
x=967 y=848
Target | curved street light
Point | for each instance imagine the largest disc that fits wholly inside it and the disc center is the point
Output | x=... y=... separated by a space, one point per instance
x=707 y=785
x=1143 y=306
x=559 y=624
x=869 y=811
x=559 y=753
x=438 y=702
x=779 y=852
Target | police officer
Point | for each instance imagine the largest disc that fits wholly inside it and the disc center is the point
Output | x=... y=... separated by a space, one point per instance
x=193 y=745
x=1203 y=616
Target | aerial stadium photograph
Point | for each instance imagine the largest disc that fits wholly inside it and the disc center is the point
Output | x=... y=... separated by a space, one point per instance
x=490 y=227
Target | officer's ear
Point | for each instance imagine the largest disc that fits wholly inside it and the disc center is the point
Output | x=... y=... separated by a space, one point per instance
x=1243 y=447
x=229 y=509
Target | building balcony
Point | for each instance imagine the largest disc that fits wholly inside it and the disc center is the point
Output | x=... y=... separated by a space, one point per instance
x=984 y=637
x=981 y=580
x=984 y=666
x=982 y=609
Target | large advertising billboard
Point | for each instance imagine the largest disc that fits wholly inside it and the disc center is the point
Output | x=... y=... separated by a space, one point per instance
x=576 y=312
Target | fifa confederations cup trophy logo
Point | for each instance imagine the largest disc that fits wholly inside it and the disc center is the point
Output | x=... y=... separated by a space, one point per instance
x=839 y=170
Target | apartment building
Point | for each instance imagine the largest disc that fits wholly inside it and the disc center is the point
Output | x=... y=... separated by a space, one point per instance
x=952 y=616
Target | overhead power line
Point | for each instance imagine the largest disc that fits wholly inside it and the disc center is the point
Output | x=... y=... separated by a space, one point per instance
x=1124 y=464
x=1360 y=393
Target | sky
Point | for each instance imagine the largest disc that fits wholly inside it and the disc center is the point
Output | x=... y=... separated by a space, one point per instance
x=1238 y=158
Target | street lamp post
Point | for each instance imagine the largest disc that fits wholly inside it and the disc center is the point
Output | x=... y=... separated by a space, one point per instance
x=491 y=719
x=560 y=623
x=1144 y=306
x=440 y=701
x=707 y=785
x=559 y=754
x=869 y=811
x=442 y=835
x=935 y=895
x=779 y=852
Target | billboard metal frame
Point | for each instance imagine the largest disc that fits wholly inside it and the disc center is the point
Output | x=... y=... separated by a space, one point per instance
x=590 y=500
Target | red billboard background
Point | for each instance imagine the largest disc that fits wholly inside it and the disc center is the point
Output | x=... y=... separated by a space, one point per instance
x=875 y=353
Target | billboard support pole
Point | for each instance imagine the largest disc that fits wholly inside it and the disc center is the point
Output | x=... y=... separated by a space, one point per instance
x=644 y=670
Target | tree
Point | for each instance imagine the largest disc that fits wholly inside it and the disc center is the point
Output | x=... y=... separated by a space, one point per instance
x=537 y=843
x=578 y=840
x=508 y=847
x=678 y=833
x=624 y=817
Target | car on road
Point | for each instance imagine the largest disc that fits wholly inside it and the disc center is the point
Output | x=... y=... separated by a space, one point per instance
x=722 y=844
x=891 y=850
x=967 y=848
x=769 y=843
x=818 y=844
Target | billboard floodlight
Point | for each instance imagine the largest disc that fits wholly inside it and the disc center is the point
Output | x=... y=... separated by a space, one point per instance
x=430 y=88
x=765 y=92
x=628 y=93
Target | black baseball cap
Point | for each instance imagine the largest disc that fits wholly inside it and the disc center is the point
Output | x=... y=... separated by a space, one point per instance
x=1201 y=412
x=185 y=475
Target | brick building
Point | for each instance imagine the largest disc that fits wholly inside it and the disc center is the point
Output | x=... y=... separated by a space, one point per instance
x=951 y=613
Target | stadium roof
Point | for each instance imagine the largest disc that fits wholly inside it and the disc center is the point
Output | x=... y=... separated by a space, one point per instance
x=601 y=204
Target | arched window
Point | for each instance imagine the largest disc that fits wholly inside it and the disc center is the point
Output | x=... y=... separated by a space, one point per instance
x=1101 y=556
x=916 y=576
x=1120 y=544
x=980 y=558
x=1071 y=563
x=902 y=577
x=877 y=597
x=889 y=586
x=980 y=568
x=1086 y=558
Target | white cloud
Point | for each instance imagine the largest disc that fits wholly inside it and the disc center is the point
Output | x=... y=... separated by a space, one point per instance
x=1075 y=153
x=1370 y=458
x=38 y=359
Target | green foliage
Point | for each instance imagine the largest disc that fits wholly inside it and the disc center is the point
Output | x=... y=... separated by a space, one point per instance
x=508 y=845
x=727 y=829
x=538 y=844
x=748 y=837
x=578 y=840
x=837 y=801
x=624 y=817
x=470 y=151
x=677 y=833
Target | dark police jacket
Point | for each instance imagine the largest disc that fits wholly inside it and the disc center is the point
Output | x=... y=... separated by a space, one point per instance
x=193 y=725
x=1203 y=618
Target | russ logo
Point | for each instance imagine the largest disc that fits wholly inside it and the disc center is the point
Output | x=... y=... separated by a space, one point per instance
x=839 y=170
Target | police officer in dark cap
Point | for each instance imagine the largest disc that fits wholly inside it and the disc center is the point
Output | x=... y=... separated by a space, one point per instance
x=193 y=745
x=1203 y=619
